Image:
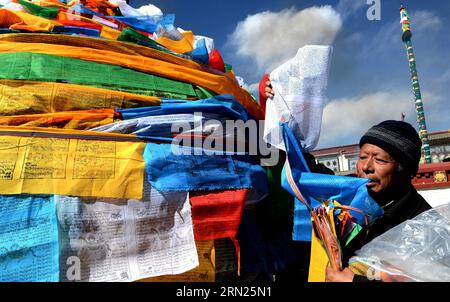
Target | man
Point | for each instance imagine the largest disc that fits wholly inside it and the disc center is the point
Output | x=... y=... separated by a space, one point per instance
x=389 y=157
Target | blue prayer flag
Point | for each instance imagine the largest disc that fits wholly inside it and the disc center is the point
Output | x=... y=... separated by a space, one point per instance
x=225 y=105
x=167 y=171
x=29 y=248
x=317 y=188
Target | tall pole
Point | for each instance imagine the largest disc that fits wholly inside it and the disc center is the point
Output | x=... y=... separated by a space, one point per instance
x=406 y=37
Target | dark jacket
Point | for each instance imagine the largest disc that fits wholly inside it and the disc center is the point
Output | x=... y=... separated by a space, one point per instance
x=407 y=206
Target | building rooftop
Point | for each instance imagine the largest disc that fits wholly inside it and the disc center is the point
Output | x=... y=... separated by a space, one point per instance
x=432 y=136
x=342 y=159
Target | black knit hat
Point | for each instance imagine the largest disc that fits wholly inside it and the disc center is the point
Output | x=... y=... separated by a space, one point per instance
x=399 y=139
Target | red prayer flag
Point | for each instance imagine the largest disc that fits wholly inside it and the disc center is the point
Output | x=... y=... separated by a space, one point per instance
x=217 y=214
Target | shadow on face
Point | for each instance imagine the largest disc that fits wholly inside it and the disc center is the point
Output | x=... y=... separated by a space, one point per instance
x=380 y=168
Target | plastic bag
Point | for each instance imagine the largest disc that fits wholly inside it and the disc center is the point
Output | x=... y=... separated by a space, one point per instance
x=415 y=250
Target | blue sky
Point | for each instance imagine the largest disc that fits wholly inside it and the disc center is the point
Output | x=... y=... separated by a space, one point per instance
x=369 y=78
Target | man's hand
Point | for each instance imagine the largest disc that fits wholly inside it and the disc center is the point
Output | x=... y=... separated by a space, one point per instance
x=269 y=91
x=339 y=276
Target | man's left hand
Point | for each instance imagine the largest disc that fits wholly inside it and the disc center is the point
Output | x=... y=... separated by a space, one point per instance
x=339 y=276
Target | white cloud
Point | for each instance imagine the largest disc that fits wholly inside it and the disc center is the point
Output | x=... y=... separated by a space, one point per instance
x=445 y=78
x=355 y=38
x=436 y=109
x=349 y=7
x=388 y=37
x=346 y=120
x=424 y=21
x=253 y=89
x=270 y=38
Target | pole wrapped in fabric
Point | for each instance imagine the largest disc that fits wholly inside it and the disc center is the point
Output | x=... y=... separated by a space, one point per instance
x=406 y=38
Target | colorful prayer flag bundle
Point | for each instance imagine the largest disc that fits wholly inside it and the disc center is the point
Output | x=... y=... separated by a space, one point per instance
x=335 y=227
x=90 y=95
x=325 y=229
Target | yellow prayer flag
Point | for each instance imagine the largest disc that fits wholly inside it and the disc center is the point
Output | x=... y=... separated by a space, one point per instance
x=19 y=97
x=77 y=120
x=69 y=162
x=23 y=21
x=205 y=272
x=359 y=268
x=318 y=260
x=48 y=3
x=184 y=45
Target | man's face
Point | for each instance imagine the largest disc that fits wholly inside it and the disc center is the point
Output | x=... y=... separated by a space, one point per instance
x=377 y=165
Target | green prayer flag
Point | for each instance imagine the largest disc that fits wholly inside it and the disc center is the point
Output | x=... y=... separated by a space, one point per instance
x=50 y=68
x=353 y=234
x=41 y=11
x=131 y=35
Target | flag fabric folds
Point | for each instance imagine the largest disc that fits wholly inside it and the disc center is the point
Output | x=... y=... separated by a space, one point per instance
x=81 y=120
x=90 y=100
x=29 y=249
x=19 y=97
x=226 y=105
x=176 y=168
x=70 y=162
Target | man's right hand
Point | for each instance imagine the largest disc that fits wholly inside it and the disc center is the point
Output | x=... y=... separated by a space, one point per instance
x=339 y=276
x=269 y=91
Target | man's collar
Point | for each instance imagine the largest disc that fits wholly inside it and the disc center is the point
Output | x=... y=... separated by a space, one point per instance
x=401 y=207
